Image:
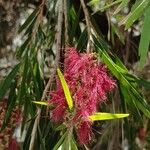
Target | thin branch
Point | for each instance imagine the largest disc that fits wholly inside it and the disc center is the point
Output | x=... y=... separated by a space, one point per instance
x=59 y=32
x=66 y=22
x=88 y=24
x=39 y=19
x=58 y=47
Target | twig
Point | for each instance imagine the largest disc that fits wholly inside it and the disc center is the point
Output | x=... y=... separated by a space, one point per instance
x=88 y=24
x=39 y=18
x=58 y=47
x=127 y=48
x=59 y=32
x=36 y=122
x=113 y=143
x=66 y=22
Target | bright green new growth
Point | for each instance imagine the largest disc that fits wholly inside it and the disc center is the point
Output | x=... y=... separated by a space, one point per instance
x=106 y=116
x=96 y=117
x=41 y=103
x=65 y=89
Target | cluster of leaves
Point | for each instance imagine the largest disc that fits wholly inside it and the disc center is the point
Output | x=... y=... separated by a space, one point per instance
x=25 y=83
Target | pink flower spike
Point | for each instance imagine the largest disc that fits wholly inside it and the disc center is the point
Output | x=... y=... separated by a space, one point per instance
x=84 y=132
x=89 y=82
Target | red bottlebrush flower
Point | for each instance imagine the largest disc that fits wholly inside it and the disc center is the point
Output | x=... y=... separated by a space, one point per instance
x=84 y=132
x=13 y=145
x=58 y=100
x=89 y=84
x=7 y=133
x=142 y=134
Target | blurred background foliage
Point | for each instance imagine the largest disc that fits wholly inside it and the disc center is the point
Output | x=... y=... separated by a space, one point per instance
x=33 y=37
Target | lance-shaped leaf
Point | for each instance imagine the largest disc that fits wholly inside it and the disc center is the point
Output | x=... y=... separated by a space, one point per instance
x=5 y=85
x=145 y=39
x=137 y=9
x=29 y=20
x=65 y=89
x=41 y=103
x=121 y=6
x=60 y=142
x=106 y=116
x=121 y=74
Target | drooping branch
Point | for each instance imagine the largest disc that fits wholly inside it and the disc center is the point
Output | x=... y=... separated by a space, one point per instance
x=66 y=22
x=58 y=47
x=59 y=33
x=88 y=24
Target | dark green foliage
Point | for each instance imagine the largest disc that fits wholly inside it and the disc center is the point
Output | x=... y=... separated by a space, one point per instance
x=27 y=80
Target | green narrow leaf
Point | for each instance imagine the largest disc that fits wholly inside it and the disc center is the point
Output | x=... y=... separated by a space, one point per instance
x=68 y=142
x=42 y=143
x=24 y=116
x=74 y=18
x=35 y=81
x=145 y=39
x=135 y=13
x=25 y=144
x=30 y=27
x=96 y=2
x=121 y=6
x=23 y=47
x=82 y=40
x=47 y=129
x=66 y=89
x=106 y=116
x=29 y=109
x=119 y=63
x=73 y=144
x=144 y=83
x=39 y=78
x=41 y=33
x=120 y=74
x=131 y=100
x=60 y=127
x=110 y=5
x=29 y=20
x=60 y=141
x=22 y=91
x=8 y=80
x=11 y=104
x=120 y=35
x=140 y=81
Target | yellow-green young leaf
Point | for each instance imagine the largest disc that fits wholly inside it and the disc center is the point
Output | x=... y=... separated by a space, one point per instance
x=41 y=103
x=106 y=116
x=66 y=89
